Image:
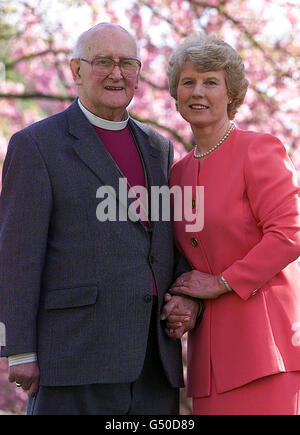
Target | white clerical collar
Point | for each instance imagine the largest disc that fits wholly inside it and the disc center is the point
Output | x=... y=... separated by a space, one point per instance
x=103 y=123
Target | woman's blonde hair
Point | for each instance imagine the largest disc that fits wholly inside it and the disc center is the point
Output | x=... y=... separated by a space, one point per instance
x=209 y=53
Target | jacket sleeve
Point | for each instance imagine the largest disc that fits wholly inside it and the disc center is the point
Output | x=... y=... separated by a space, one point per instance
x=272 y=191
x=25 y=207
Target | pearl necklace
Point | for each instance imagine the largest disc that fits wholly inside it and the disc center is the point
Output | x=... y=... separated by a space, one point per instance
x=200 y=155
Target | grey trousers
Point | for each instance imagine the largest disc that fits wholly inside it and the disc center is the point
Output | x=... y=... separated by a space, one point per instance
x=150 y=394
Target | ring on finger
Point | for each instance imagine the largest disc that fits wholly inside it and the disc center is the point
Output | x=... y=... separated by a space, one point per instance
x=18 y=385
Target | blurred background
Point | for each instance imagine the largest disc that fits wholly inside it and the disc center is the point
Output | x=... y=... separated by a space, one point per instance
x=36 y=37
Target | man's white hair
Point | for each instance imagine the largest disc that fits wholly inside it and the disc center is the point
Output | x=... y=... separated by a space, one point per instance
x=79 y=48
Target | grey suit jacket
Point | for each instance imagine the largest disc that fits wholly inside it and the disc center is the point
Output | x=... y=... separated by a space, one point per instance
x=75 y=290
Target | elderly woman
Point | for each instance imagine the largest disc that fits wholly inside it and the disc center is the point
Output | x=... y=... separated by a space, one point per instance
x=244 y=357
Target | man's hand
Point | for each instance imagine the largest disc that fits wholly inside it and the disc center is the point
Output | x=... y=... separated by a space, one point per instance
x=27 y=375
x=180 y=314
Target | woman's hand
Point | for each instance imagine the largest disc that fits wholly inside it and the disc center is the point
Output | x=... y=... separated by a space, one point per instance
x=199 y=285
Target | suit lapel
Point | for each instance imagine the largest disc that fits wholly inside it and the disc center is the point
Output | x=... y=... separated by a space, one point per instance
x=152 y=159
x=151 y=156
x=91 y=150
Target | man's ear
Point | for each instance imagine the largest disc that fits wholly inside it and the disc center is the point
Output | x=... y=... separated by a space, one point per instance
x=75 y=68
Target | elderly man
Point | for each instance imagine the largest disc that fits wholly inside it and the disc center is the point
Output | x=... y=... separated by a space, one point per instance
x=80 y=295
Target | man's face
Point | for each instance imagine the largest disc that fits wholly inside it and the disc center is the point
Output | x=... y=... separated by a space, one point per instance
x=106 y=96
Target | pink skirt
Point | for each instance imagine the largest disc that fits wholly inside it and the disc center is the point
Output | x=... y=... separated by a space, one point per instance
x=271 y=395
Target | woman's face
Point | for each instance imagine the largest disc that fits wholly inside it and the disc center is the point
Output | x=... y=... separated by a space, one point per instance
x=202 y=97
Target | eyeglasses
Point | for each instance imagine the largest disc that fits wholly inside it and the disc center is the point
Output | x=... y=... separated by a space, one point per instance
x=102 y=65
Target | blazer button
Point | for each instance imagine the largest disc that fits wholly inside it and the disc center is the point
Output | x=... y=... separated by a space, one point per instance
x=194 y=242
x=148 y=299
x=151 y=259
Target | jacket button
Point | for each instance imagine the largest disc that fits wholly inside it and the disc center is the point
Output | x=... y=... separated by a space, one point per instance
x=151 y=259
x=194 y=242
x=148 y=299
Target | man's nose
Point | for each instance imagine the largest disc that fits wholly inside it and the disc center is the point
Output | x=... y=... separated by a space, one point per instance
x=116 y=72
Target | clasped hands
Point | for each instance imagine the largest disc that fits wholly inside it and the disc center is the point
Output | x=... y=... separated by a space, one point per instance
x=180 y=314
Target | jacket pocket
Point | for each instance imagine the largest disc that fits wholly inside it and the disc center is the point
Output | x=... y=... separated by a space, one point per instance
x=71 y=297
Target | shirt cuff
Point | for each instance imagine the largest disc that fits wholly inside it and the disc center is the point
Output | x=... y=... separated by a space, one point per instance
x=22 y=358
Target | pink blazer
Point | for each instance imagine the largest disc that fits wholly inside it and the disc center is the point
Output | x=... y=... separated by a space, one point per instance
x=251 y=235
